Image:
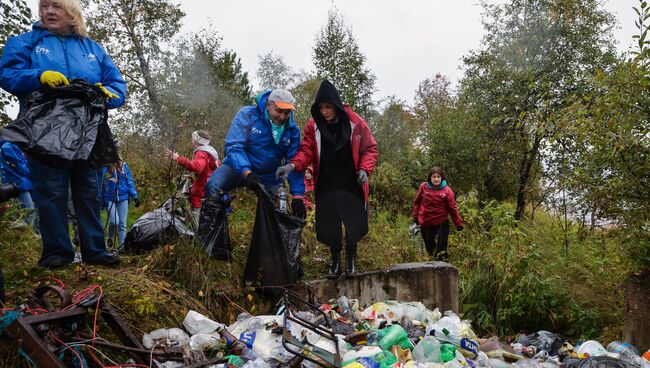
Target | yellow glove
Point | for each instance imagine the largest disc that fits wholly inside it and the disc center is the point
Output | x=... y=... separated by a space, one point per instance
x=107 y=93
x=53 y=79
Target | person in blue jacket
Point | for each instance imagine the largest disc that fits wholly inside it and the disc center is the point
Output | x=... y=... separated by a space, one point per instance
x=119 y=190
x=14 y=169
x=261 y=138
x=56 y=50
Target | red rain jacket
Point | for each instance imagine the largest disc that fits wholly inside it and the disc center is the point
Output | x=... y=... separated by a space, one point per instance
x=432 y=207
x=203 y=164
x=364 y=148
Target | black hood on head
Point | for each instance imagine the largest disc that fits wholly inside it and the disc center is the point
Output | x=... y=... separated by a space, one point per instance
x=327 y=93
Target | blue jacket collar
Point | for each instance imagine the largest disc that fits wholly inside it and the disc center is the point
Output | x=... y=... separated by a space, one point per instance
x=442 y=185
x=261 y=100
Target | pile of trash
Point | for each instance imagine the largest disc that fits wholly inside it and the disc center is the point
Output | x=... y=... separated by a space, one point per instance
x=386 y=334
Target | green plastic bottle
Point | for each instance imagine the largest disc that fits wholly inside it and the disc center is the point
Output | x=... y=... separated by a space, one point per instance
x=395 y=334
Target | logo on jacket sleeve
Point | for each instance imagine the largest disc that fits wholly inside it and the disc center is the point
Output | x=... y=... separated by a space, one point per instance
x=256 y=131
x=90 y=57
x=40 y=50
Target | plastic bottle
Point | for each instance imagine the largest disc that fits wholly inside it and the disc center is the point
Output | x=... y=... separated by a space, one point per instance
x=394 y=335
x=626 y=352
x=283 y=198
x=619 y=347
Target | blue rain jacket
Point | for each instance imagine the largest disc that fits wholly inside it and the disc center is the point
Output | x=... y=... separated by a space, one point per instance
x=27 y=56
x=250 y=145
x=118 y=186
x=13 y=166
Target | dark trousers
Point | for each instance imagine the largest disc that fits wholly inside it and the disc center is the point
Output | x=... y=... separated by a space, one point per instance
x=51 y=187
x=435 y=240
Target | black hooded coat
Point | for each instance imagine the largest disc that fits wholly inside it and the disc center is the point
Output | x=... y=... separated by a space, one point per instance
x=339 y=198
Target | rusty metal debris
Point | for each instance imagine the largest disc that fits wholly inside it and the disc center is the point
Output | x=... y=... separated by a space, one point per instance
x=59 y=325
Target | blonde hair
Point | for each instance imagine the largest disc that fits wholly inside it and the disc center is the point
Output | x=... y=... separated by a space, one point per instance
x=73 y=10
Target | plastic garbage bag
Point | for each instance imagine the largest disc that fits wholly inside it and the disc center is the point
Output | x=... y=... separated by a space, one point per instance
x=427 y=350
x=274 y=254
x=261 y=335
x=202 y=341
x=527 y=363
x=213 y=231
x=257 y=363
x=595 y=362
x=153 y=229
x=455 y=328
x=165 y=337
x=65 y=127
x=544 y=340
x=196 y=323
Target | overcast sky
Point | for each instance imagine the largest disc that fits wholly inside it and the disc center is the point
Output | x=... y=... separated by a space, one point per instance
x=404 y=41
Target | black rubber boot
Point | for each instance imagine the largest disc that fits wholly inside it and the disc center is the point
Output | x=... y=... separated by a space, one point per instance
x=335 y=268
x=351 y=260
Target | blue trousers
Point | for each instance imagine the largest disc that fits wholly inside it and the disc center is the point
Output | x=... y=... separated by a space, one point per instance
x=117 y=214
x=26 y=203
x=51 y=197
x=226 y=178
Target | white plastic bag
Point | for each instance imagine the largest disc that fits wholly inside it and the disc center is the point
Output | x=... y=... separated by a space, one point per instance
x=196 y=323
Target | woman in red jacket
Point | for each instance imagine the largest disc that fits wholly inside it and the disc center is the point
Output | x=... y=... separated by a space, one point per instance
x=203 y=164
x=431 y=208
x=343 y=151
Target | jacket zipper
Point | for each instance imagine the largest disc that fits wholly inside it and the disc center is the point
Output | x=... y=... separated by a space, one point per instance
x=67 y=61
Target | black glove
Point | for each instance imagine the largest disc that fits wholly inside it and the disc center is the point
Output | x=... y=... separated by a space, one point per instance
x=136 y=201
x=298 y=208
x=362 y=177
x=460 y=228
x=252 y=181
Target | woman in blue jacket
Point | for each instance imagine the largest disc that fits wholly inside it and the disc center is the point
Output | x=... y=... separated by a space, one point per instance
x=119 y=189
x=55 y=50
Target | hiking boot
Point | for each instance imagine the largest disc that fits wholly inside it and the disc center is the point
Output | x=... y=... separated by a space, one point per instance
x=110 y=259
x=335 y=267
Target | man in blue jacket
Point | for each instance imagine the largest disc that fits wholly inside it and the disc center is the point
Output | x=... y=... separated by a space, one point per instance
x=261 y=138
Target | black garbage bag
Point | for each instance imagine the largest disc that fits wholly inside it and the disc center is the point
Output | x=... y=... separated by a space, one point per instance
x=213 y=232
x=274 y=254
x=153 y=229
x=65 y=126
x=544 y=340
x=595 y=362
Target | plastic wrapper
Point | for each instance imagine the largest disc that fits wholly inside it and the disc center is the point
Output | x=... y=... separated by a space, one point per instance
x=65 y=127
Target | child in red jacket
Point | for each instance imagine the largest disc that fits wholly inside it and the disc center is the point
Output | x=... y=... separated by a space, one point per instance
x=431 y=208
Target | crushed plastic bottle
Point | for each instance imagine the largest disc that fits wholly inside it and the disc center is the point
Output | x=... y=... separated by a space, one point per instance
x=282 y=199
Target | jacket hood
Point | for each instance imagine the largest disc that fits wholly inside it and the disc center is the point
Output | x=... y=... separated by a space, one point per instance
x=328 y=93
x=210 y=150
